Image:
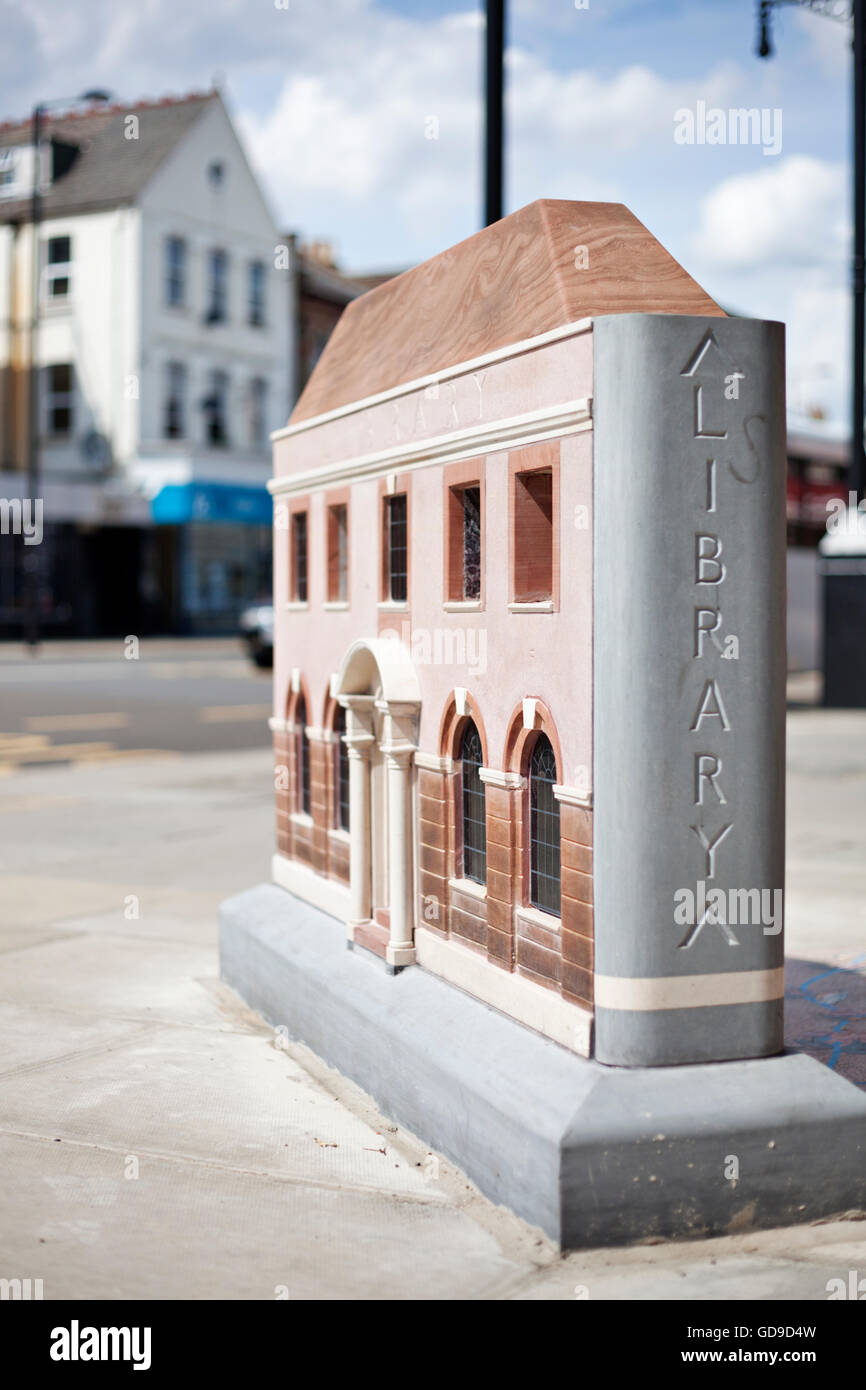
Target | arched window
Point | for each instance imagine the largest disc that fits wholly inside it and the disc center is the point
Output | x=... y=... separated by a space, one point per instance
x=544 y=872
x=342 y=770
x=303 y=756
x=474 y=807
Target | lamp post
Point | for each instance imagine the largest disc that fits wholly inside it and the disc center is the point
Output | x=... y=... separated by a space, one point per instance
x=493 y=108
x=33 y=471
x=844 y=10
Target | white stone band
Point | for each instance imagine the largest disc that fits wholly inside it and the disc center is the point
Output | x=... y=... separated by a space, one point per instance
x=689 y=991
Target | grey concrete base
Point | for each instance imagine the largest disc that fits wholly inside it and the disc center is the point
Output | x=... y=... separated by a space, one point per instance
x=593 y=1155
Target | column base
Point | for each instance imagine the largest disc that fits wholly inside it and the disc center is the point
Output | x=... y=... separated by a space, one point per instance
x=400 y=956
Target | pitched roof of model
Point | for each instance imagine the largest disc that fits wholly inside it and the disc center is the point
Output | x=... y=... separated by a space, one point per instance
x=109 y=169
x=513 y=280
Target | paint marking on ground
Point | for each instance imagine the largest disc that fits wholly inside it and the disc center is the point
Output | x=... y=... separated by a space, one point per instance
x=55 y=752
x=65 y=723
x=12 y=742
x=230 y=714
x=118 y=755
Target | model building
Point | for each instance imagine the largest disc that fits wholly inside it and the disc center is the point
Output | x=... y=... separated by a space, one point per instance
x=433 y=545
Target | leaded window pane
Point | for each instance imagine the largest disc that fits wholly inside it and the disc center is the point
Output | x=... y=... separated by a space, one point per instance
x=474 y=808
x=544 y=863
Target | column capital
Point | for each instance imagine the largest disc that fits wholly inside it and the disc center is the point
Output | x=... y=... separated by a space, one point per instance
x=359 y=745
x=398 y=754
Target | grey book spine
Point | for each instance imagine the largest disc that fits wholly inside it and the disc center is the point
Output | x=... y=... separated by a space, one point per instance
x=689 y=670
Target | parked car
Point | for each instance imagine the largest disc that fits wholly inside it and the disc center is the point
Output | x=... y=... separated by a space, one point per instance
x=257 y=633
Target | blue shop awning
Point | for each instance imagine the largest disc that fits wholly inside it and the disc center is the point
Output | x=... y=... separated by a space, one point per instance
x=177 y=503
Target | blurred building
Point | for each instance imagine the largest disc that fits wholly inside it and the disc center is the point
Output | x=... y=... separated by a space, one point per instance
x=318 y=293
x=817 y=477
x=164 y=348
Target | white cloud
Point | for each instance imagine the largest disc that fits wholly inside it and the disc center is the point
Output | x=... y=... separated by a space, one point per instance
x=790 y=214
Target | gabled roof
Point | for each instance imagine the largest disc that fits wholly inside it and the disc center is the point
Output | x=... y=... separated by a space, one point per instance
x=514 y=280
x=109 y=169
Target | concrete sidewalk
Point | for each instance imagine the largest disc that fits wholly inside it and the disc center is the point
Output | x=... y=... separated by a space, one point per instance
x=158 y=1141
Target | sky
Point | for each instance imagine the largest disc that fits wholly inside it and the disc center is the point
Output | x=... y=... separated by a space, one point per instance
x=363 y=119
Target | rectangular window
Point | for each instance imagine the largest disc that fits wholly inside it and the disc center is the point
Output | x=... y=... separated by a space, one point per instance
x=216 y=409
x=298 y=588
x=396 y=548
x=338 y=553
x=175 y=271
x=58 y=267
x=59 y=402
x=533 y=536
x=257 y=293
x=464 y=543
x=174 y=415
x=258 y=409
x=218 y=275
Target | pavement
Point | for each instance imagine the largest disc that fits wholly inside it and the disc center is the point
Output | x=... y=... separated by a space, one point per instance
x=157 y=1140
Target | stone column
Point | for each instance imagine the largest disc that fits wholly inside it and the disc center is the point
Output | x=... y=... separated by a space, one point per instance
x=398 y=747
x=359 y=741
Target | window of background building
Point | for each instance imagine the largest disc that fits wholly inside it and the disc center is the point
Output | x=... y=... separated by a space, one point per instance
x=533 y=536
x=216 y=408
x=396 y=548
x=338 y=553
x=544 y=842
x=58 y=267
x=474 y=807
x=257 y=293
x=464 y=543
x=59 y=398
x=298 y=559
x=174 y=417
x=218 y=274
x=258 y=407
x=303 y=757
x=342 y=760
x=175 y=271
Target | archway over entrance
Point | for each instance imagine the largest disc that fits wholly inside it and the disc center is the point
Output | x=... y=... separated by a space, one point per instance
x=378 y=686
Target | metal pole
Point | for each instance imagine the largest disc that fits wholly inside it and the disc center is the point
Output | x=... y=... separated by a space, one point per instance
x=856 y=471
x=32 y=628
x=494 y=120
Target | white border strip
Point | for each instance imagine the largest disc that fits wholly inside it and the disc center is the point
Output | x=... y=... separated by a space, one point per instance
x=549 y=423
x=689 y=991
x=553 y=335
x=538 y=1008
x=330 y=895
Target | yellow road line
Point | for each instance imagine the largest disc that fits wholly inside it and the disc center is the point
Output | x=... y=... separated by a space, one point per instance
x=64 y=723
x=56 y=752
x=116 y=755
x=229 y=714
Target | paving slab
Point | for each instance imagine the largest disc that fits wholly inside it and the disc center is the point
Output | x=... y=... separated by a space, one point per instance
x=225 y=1098
x=112 y=976
x=187 y=1231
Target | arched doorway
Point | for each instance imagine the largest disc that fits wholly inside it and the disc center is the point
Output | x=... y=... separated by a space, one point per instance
x=378 y=687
